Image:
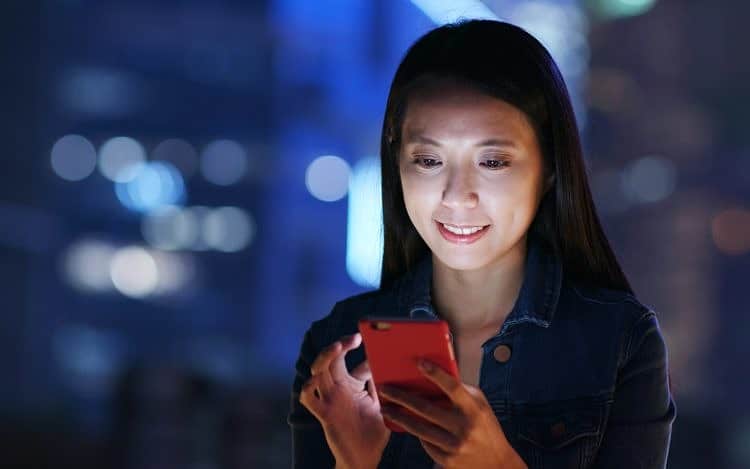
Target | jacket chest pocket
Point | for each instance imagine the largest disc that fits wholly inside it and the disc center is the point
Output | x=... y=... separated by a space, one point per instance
x=560 y=438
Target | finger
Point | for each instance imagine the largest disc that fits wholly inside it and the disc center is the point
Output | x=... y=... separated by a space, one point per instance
x=323 y=382
x=308 y=398
x=338 y=364
x=446 y=418
x=362 y=371
x=436 y=453
x=450 y=385
x=421 y=428
x=323 y=360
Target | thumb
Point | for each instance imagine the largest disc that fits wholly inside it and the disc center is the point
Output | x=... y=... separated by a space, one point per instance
x=362 y=371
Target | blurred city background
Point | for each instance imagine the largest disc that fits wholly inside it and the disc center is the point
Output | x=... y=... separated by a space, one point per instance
x=186 y=184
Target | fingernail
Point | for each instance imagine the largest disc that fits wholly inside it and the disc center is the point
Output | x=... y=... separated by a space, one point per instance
x=426 y=366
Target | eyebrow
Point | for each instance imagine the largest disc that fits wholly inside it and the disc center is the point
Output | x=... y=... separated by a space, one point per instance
x=419 y=138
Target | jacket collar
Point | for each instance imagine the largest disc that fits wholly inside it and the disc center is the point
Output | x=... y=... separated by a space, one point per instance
x=536 y=301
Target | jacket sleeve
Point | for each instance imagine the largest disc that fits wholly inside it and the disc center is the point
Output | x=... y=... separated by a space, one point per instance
x=309 y=446
x=639 y=427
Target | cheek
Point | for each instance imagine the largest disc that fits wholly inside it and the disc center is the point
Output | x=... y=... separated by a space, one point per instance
x=517 y=189
x=421 y=198
x=413 y=197
x=514 y=195
x=417 y=198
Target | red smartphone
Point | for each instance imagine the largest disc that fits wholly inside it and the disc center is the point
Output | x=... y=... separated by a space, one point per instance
x=393 y=346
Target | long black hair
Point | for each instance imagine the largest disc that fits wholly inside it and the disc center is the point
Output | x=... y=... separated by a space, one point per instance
x=508 y=63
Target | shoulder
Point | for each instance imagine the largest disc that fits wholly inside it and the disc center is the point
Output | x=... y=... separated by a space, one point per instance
x=619 y=305
x=622 y=312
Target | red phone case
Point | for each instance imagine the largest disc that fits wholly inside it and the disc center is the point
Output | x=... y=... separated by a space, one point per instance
x=393 y=345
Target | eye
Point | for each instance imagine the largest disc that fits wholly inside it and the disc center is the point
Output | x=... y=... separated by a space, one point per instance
x=425 y=161
x=496 y=164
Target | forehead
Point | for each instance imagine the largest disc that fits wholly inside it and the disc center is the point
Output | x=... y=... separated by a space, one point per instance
x=451 y=111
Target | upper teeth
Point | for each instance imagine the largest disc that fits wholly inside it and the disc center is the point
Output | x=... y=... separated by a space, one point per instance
x=462 y=231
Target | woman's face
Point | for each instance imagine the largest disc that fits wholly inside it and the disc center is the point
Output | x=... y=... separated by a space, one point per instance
x=471 y=160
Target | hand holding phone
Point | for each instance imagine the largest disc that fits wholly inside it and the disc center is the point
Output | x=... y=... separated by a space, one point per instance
x=394 y=345
x=346 y=407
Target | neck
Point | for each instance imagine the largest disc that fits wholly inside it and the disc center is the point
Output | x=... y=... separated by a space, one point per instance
x=473 y=301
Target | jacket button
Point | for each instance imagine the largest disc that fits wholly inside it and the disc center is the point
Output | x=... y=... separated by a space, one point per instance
x=502 y=353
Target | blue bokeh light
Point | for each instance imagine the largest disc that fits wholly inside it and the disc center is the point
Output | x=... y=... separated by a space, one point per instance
x=364 y=228
x=151 y=186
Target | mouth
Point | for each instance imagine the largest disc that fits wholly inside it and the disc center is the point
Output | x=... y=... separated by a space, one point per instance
x=463 y=234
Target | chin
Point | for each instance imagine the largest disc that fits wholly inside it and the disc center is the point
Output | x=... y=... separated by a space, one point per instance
x=462 y=261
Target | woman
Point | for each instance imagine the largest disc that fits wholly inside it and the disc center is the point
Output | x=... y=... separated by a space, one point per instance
x=490 y=225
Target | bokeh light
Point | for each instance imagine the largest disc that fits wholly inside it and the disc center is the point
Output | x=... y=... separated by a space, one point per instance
x=562 y=30
x=364 y=225
x=179 y=153
x=327 y=178
x=228 y=229
x=151 y=185
x=606 y=186
x=73 y=157
x=620 y=8
x=134 y=273
x=448 y=11
x=199 y=213
x=100 y=92
x=649 y=179
x=730 y=230
x=86 y=265
x=612 y=91
x=170 y=228
x=224 y=162
x=118 y=155
x=175 y=272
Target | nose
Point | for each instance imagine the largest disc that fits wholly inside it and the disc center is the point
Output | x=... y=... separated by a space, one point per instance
x=460 y=190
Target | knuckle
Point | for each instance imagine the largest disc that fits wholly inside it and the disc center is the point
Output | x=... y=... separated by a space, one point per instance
x=346 y=338
x=463 y=435
x=313 y=380
x=477 y=410
x=315 y=367
x=324 y=356
x=304 y=399
x=450 y=442
x=450 y=461
x=453 y=386
x=304 y=394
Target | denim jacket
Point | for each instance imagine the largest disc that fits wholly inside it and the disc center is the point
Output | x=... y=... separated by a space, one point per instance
x=585 y=386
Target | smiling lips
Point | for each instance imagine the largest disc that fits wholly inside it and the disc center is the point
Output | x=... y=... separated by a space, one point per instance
x=461 y=235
